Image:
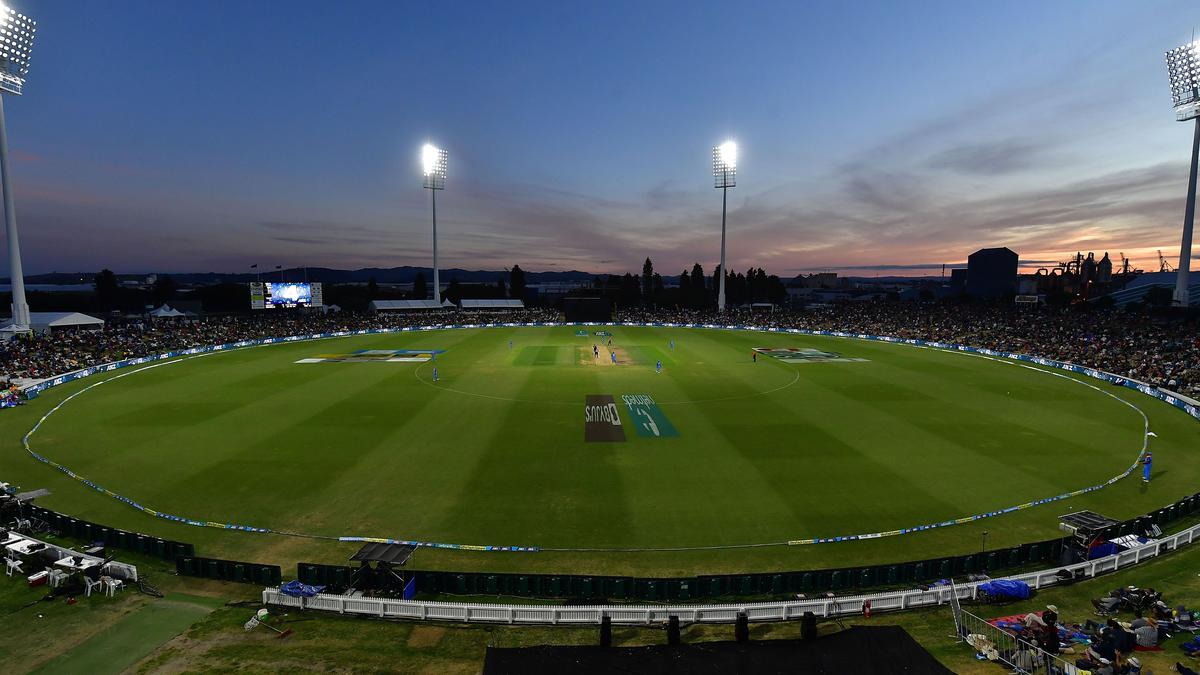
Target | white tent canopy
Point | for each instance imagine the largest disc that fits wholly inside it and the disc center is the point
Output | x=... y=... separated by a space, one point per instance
x=166 y=312
x=40 y=322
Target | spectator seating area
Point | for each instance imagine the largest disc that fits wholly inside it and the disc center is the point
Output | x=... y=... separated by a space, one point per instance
x=1163 y=350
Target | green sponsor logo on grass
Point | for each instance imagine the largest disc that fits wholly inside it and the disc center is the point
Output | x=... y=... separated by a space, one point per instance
x=581 y=333
x=648 y=418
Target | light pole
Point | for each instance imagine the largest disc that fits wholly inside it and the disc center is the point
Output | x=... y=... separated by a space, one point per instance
x=1183 y=69
x=724 y=177
x=16 y=41
x=433 y=162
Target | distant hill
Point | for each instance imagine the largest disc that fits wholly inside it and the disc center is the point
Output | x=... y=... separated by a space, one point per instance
x=390 y=275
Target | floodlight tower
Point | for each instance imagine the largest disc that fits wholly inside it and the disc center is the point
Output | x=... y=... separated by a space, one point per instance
x=433 y=161
x=1183 y=68
x=16 y=41
x=724 y=177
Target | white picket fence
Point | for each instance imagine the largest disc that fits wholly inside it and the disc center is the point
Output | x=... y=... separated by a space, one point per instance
x=463 y=612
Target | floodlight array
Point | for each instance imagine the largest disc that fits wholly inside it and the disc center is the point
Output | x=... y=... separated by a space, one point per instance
x=725 y=165
x=1183 y=69
x=16 y=43
x=433 y=162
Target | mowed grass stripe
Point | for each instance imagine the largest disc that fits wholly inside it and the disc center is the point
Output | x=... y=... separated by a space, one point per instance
x=703 y=459
x=540 y=484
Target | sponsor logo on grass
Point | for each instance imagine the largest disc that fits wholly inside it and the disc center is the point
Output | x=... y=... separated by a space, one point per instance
x=804 y=355
x=647 y=418
x=377 y=356
x=581 y=333
x=602 y=420
x=602 y=333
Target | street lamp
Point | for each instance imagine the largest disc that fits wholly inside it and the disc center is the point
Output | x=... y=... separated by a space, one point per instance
x=724 y=177
x=1183 y=69
x=433 y=162
x=16 y=41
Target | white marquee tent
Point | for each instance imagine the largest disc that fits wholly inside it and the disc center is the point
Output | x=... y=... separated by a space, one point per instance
x=41 y=322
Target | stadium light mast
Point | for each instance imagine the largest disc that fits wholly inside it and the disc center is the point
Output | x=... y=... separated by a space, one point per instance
x=433 y=162
x=1183 y=69
x=724 y=177
x=16 y=42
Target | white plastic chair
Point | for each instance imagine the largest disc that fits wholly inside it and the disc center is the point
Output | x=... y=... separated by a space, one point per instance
x=88 y=585
x=13 y=565
x=111 y=586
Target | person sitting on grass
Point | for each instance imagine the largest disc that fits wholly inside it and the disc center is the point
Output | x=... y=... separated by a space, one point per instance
x=1147 y=635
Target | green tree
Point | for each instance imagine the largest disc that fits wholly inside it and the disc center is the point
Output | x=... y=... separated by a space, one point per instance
x=647 y=281
x=163 y=289
x=697 y=297
x=420 y=289
x=453 y=291
x=516 y=282
x=106 y=289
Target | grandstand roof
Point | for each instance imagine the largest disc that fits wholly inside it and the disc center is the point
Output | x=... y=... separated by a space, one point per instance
x=1137 y=289
x=43 y=321
x=406 y=305
x=493 y=304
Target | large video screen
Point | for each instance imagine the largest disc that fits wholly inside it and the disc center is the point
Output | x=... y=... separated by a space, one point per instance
x=268 y=295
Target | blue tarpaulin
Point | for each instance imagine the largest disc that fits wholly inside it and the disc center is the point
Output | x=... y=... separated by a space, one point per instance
x=1006 y=588
x=298 y=590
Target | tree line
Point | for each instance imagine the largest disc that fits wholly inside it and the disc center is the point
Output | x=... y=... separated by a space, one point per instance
x=695 y=290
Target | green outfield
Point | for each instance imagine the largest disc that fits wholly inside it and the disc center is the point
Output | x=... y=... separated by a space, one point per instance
x=820 y=437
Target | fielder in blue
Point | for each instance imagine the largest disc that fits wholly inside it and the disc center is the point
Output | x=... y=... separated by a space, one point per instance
x=614 y=356
x=1147 y=461
x=435 y=373
x=658 y=366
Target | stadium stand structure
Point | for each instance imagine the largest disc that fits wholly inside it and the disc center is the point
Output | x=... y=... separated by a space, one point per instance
x=1138 y=288
x=492 y=304
x=377 y=306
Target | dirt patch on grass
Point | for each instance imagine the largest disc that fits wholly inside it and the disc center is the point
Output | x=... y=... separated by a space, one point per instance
x=423 y=637
x=588 y=358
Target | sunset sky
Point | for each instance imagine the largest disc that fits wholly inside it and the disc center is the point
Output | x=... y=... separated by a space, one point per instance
x=207 y=136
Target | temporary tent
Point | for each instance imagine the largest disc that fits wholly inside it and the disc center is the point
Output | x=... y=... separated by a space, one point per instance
x=166 y=312
x=41 y=322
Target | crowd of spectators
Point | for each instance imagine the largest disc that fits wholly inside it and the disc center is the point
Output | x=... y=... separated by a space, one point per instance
x=1161 y=350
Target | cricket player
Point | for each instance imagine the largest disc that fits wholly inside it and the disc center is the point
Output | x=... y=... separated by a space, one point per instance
x=614 y=357
x=435 y=373
x=1147 y=461
x=510 y=345
x=658 y=367
x=672 y=345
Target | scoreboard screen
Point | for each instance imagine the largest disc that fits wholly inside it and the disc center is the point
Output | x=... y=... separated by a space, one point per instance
x=271 y=295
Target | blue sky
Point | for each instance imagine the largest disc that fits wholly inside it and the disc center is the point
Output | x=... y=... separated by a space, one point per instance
x=172 y=136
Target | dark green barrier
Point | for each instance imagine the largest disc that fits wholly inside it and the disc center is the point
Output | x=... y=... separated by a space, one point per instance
x=111 y=537
x=229 y=570
x=336 y=578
